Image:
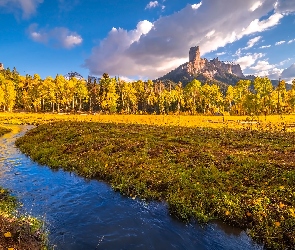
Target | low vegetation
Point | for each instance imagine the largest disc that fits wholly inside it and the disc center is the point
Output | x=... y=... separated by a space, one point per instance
x=18 y=232
x=4 y=131
x=269 y=123
x=243 y=177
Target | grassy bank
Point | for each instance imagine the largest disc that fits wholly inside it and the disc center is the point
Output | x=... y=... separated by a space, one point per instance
x=18 y=232
x=4 y=131
x=245 y=178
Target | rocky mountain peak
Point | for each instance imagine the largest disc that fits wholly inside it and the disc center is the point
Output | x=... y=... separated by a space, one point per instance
x=204 y=70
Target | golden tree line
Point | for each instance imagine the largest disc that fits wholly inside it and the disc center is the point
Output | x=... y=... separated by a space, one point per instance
x=111 y=95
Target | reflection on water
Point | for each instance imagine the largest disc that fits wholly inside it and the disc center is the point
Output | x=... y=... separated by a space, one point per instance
x=87 y=214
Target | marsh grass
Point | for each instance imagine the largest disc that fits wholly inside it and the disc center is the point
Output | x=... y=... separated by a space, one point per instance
x=243 y=177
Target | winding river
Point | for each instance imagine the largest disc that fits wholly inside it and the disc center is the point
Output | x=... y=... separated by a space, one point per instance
x=88 y=214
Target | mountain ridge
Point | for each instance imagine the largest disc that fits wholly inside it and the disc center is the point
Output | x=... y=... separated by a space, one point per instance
x=204 y=70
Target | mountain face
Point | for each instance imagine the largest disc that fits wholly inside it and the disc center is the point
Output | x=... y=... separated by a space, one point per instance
x=204 y=70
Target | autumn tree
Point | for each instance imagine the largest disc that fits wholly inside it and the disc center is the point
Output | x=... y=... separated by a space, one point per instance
x=8 y=93
x=263 y=88
x=192 y=95
x=108 y=95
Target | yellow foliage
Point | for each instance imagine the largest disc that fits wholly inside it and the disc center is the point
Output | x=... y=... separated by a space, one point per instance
x=292 y=212
x=282 y=205
x=7 y=235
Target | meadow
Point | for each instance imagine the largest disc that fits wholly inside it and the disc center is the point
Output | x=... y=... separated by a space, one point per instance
x=234 y=169
x=271 y=123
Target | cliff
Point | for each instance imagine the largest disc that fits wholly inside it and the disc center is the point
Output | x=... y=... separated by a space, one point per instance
x=205 y=70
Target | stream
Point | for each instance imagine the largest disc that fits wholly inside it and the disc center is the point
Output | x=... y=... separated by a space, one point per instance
x=88 y=214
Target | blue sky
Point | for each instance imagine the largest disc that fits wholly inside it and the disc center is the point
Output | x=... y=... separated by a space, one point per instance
x=146 y=39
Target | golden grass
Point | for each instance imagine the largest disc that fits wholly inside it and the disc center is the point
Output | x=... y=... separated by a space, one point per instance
x=271 y=122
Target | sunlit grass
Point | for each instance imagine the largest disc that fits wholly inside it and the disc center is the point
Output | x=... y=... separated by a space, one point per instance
x=4 y=131
x=273 y=122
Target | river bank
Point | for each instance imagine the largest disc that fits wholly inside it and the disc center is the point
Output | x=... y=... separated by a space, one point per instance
x=18 y=231
x=244 y=178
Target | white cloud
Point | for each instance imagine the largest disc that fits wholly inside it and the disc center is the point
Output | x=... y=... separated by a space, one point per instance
x=220 y=54
x=291 y=41
x=262 y=65
x=264 y=68
x=285 y=61
x=167 y=42
x=70 y=41
x=28 y=7
x=57 y=37
x=152 y=5
x=255 y=6
x=280 y=42
x=110 y=56
x=252 y=42
x=265 y=46
x=196 y=6
x=248 y=60
x=259 y=26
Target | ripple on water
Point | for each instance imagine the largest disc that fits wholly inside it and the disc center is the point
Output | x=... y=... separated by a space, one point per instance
x=83 y=214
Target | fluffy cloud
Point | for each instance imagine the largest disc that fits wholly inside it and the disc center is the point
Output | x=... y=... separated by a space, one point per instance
x=248 y=60
x=252 y=42
x=259 y=26
x=57 y=37
x=109 y=55
x=165 y=44
x=152 y=5
x=265 y=46
x=255 y=6
x=264 y=68
x=220 y=54
x=28 y=7
x=280 y=42
x=196 y=5
x=291 y=41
